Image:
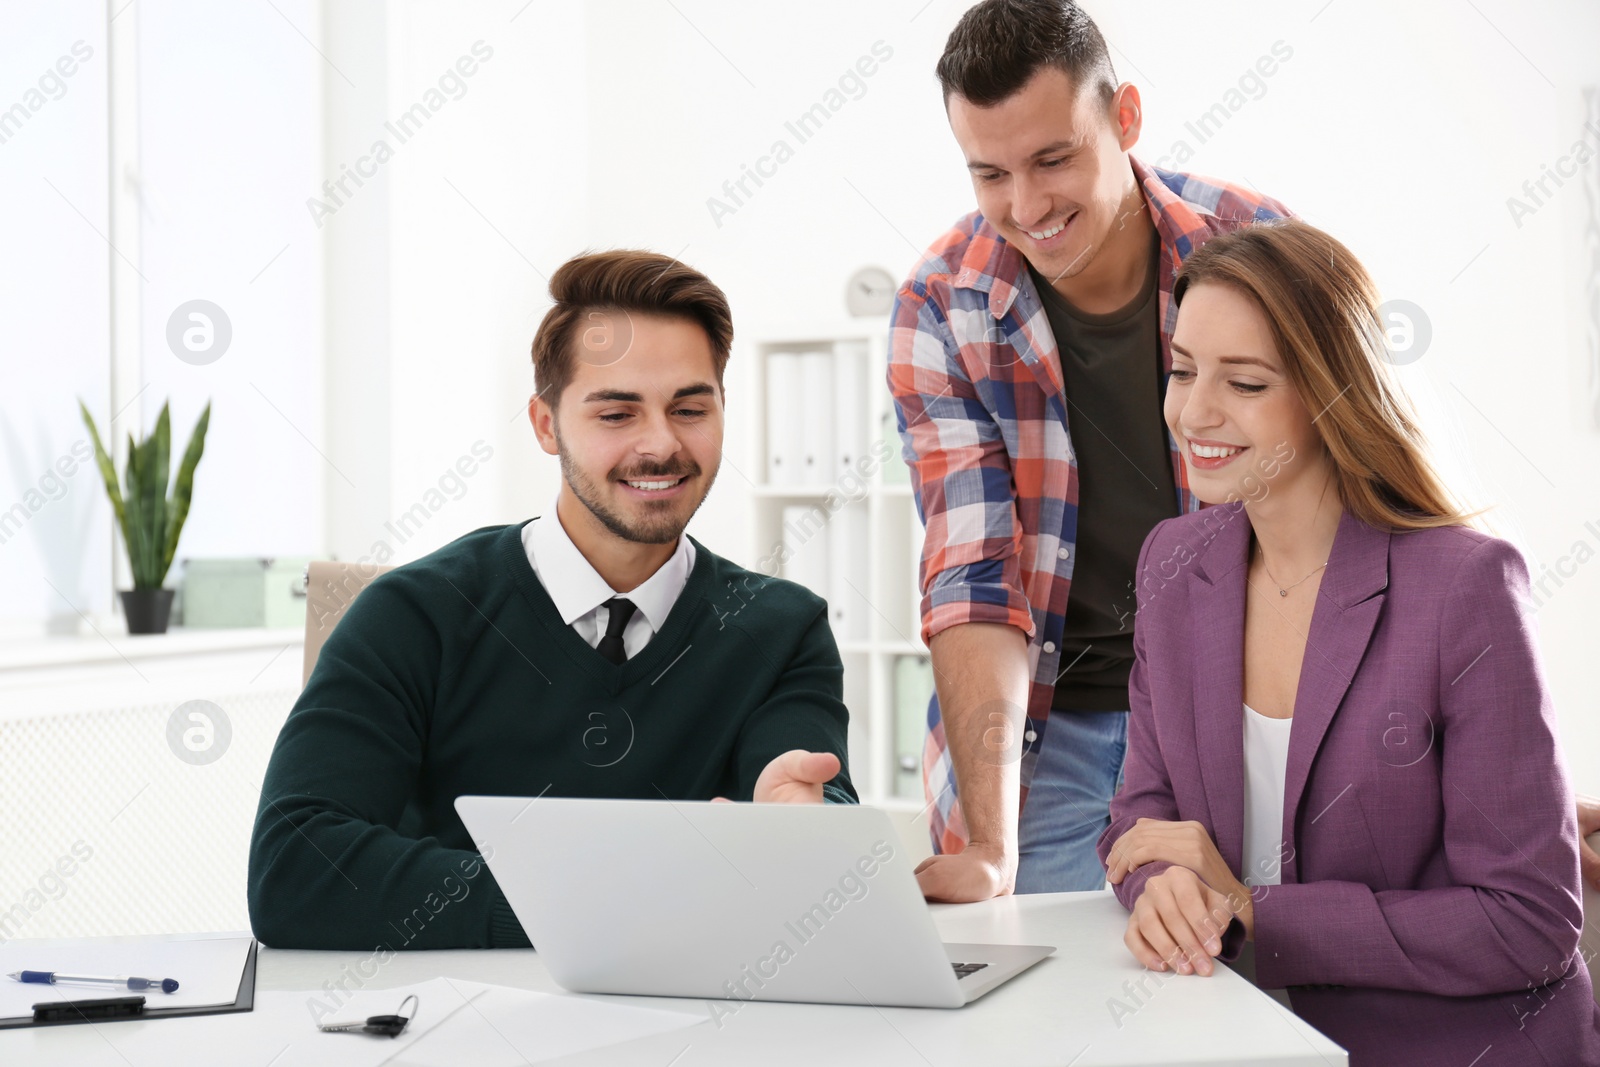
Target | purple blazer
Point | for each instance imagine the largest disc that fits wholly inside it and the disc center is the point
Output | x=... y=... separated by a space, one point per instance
x=1429 y=911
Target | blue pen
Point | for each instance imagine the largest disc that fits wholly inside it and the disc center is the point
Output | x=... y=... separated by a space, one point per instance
x=166 y=985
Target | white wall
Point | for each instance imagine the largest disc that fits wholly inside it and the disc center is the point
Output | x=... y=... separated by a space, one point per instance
x=710 y=87
x=486 y=208
x=438 y=264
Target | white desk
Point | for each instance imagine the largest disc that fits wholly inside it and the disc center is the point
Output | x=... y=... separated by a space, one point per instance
x=1060 y=1012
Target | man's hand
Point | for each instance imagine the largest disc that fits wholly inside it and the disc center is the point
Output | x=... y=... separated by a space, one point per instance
x=1184 y=843
x=1180 y=920
x=796 y=777
x=977 y=872
x=1588 y=823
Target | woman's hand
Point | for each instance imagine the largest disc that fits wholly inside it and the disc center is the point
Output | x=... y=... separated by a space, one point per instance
x=1183 y=843
x=1180 y=920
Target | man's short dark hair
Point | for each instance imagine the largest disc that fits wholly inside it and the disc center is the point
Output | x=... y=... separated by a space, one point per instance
x=1000 y=44
x=624 y=281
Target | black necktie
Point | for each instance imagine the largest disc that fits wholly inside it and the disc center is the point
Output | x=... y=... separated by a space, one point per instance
x=610 y=646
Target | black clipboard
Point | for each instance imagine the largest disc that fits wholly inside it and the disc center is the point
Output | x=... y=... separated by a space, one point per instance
x=244 y=1001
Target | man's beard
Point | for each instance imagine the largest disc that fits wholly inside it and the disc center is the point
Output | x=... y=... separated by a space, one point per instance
x=661 y=527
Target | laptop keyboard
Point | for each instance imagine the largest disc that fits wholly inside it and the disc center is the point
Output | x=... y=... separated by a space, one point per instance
x=964 y=969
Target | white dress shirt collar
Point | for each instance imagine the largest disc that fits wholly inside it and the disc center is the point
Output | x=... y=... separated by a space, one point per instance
x=577 y=588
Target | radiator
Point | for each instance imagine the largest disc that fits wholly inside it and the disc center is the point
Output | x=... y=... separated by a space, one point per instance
x=129 y=784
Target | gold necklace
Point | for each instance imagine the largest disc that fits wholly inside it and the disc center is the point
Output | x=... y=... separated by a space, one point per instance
x=1283 y=590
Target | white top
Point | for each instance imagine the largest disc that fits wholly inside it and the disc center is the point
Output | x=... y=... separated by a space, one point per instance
x=580 y=593
x=1266 y=763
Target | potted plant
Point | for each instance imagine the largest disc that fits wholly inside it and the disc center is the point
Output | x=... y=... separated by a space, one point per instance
x=151 y=520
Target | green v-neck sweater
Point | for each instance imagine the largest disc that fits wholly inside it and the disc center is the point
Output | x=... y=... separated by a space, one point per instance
x=454 y=675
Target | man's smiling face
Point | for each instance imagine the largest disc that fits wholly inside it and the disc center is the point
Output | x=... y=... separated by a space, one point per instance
x=1049 y=168
x=639 y=431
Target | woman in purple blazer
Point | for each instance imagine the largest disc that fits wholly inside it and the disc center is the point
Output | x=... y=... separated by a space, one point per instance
x=1342 y=770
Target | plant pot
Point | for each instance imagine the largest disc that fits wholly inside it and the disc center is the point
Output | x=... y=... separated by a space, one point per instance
x=147 y=610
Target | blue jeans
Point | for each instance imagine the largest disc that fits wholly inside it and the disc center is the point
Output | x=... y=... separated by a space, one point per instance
x=1079 y=768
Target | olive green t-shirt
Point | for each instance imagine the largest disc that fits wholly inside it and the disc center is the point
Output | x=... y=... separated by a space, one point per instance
x=1111 y=368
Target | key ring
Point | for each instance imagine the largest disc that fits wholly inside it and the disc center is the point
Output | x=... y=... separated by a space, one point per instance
x=382 y=1025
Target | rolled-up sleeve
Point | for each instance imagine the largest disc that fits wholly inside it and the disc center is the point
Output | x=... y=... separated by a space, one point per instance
x=971 y=565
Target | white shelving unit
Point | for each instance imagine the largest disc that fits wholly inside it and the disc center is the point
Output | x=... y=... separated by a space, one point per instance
x=887 y=626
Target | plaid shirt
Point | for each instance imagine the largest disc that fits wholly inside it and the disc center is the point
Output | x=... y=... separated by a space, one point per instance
x=978 y=397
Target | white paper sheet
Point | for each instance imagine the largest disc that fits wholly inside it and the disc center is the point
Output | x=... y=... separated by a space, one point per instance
x=502 y=1026
x=206 y=966
x=456 y=1022
x=282 y=1031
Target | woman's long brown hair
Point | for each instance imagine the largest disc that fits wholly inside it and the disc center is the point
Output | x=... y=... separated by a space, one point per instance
x=1322 y=309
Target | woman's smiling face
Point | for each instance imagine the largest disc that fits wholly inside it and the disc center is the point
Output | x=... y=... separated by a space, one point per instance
x=1230 y=405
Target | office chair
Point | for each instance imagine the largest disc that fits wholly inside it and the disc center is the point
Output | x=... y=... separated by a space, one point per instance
x=331 y=587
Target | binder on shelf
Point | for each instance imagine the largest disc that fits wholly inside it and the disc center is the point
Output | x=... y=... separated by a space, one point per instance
x=815 y=401
x=805 y=538
x=895 y=471
x=850 y=410
x=913 y=687
x=849 y=610
x=785 y=448
x=913 y=560
x=834 y=515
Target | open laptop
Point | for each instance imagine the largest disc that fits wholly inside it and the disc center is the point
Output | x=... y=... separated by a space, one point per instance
x=788 y=902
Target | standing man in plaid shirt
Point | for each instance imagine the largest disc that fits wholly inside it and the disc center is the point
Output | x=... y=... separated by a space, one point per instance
x=1029 y=354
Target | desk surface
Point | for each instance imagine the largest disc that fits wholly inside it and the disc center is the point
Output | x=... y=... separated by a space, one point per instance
x=1082 y=1007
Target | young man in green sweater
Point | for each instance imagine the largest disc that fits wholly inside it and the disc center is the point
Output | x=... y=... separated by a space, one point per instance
x=595 y=651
